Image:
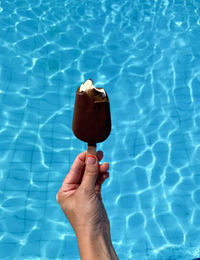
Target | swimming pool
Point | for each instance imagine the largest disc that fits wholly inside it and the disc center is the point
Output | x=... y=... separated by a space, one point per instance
x=146 y=55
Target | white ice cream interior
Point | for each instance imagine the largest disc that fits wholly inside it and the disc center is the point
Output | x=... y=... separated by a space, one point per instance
x=89 y=85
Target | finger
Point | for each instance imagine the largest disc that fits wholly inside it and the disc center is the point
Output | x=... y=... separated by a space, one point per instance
x=102 y=178
x=100 y=181
x=91 y=173
x=77 y=169
x=100 y=155
x=104 y=167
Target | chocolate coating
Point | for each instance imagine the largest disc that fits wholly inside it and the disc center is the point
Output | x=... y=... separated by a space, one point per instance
x=91 y=119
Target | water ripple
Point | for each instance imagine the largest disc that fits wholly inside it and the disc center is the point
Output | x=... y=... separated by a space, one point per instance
x=146 y=55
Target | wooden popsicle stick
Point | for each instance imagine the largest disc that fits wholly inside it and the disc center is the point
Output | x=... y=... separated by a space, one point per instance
x=91 y=150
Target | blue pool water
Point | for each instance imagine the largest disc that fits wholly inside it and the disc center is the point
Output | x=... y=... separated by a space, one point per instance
x=146 y=55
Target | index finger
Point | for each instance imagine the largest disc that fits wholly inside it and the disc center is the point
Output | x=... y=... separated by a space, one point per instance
x=76 y=172
x=77 y=169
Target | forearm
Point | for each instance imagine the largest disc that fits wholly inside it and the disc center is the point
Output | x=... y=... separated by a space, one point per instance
x=96 y=245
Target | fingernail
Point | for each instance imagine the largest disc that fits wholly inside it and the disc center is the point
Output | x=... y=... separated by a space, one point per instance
x=91 y=159
x=107 y=164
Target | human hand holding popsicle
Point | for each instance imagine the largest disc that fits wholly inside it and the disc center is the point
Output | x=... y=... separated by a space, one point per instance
x=80 y=199
x=80 y=193
x=82 y=187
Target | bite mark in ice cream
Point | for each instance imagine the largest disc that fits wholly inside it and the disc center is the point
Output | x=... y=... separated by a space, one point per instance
x=89 y=87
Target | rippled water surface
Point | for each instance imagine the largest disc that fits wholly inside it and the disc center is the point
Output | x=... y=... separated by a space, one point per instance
x=146 y=55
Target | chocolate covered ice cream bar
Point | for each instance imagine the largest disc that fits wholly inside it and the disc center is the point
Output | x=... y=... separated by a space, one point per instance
x=91 y=119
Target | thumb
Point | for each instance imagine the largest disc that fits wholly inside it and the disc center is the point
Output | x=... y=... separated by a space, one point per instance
x=91 y=173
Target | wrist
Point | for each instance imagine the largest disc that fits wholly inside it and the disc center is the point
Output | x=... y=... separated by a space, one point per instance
x=96 y=244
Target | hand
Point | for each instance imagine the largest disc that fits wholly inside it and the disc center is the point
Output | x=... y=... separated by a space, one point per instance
x=80 y=194
x=80 y=199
